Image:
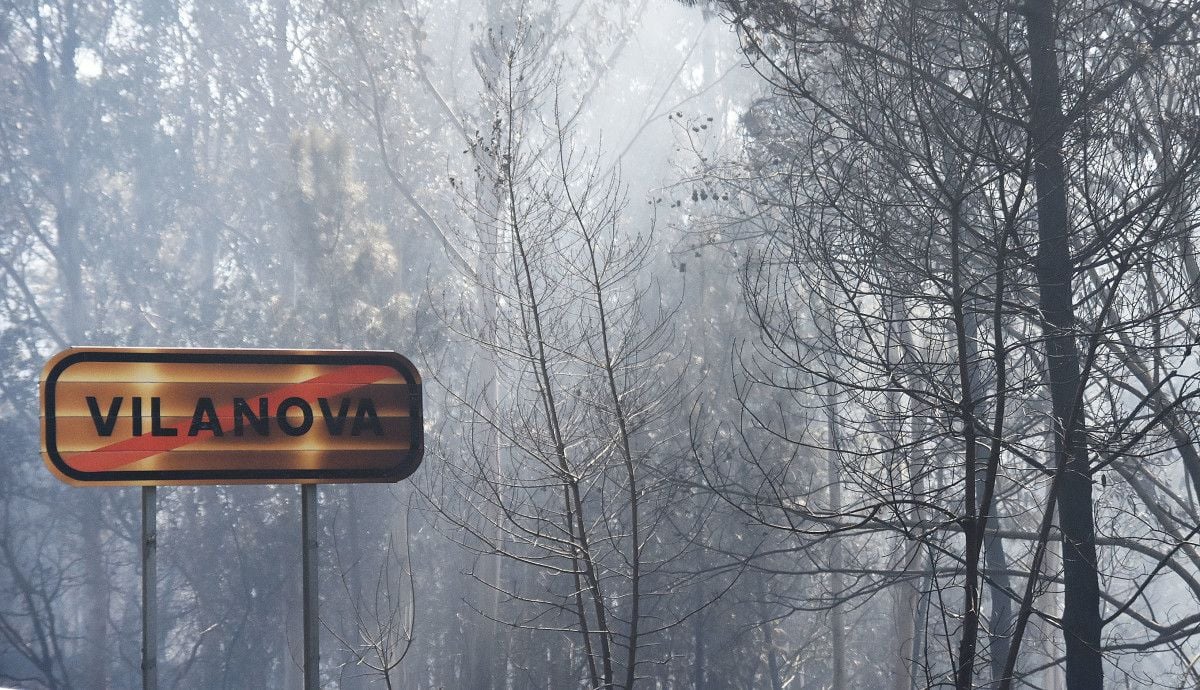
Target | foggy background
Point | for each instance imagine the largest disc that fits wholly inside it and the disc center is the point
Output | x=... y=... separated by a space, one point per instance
x=767 y=344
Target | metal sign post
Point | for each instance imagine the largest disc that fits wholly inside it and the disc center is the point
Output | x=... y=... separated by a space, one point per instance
x=308 y=528
x=149 y=588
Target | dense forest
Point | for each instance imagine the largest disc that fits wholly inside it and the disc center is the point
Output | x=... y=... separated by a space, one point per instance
x=766 y=343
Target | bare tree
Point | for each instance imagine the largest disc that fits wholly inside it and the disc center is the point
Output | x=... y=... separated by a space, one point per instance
x=935 y=214
x=582 y=378
x=384 y=621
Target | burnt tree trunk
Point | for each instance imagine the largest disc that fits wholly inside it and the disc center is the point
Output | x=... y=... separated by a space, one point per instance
x=1081 y=611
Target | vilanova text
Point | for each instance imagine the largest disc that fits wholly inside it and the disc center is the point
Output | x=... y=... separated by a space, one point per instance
x=205 y=417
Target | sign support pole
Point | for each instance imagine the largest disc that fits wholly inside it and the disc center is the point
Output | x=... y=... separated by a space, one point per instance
x=308 y=519
x=149 y=588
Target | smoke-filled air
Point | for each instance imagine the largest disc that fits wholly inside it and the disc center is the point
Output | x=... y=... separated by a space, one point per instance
x=599 y=345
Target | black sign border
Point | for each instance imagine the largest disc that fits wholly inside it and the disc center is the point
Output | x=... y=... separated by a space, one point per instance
x=407 y=461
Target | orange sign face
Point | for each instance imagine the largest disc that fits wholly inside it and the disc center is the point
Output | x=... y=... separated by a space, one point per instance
x=188 y=416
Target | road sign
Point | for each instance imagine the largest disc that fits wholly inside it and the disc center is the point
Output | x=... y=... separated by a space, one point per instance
x=189 y=416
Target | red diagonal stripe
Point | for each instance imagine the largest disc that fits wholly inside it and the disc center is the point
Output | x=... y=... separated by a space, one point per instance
x=141 y=447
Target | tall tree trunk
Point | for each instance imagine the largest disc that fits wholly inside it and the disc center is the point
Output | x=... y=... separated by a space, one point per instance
x=905 y=601
x=772 y=655
x=907 y=620
x=96 y=591
x=974 y=520
x=995 y=562
x=356 y=563
x=281 y=130
x=1000 y=619
x=70 y=269
x=922 y=623
x=95 y=578
x=1081 y=610
x=837 y=623
x=1053 y=677
x=489 y=662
